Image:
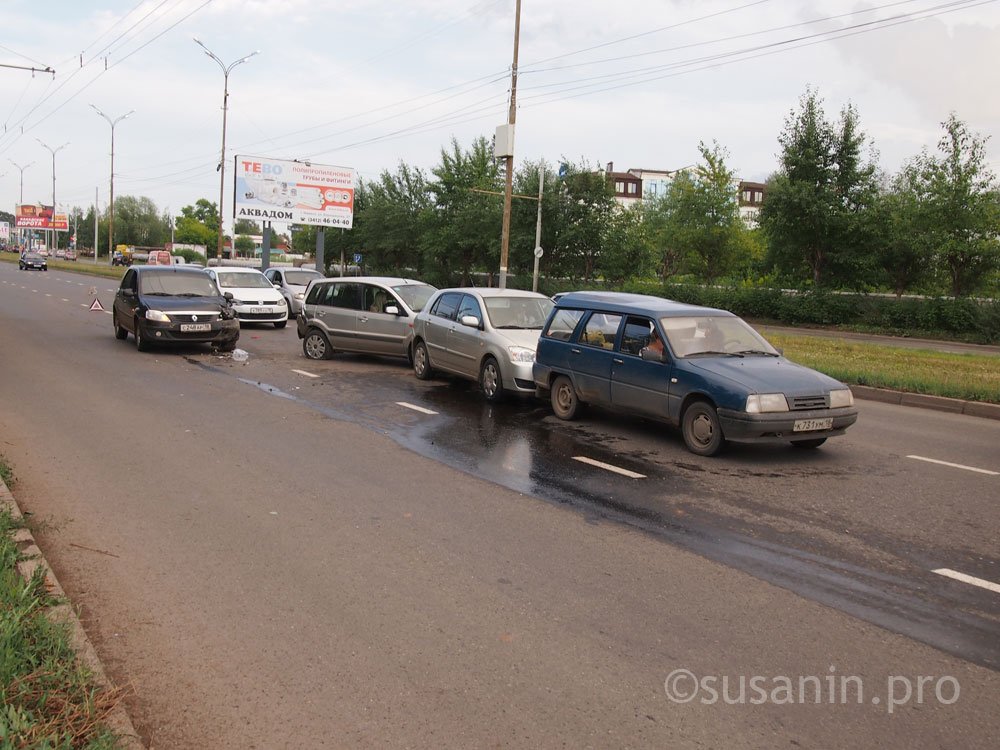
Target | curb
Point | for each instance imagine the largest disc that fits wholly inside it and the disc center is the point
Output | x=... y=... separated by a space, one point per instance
x=937 y=403
x=118 y=720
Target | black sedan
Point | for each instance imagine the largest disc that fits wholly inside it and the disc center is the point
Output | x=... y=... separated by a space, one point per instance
x=32 y=260
x=173 y=305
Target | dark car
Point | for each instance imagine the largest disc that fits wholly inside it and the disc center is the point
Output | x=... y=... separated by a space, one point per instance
x=32 y=260
x=716 y=377
x=173 y=305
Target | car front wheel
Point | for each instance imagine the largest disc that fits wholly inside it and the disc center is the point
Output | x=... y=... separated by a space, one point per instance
x=140 y=341
x=316 y=345
x=491 y=381
x=120 y=333
x=702 y=430
x=421 y=362
x=565 y=402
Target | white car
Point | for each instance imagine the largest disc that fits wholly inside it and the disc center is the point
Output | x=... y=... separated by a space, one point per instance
x=292 y=283
x=255 y=299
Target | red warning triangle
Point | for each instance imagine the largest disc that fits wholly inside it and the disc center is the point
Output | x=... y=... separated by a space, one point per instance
x=97 y=306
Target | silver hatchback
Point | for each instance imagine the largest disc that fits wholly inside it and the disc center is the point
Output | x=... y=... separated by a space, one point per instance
x=482 y=334
x=365 y=314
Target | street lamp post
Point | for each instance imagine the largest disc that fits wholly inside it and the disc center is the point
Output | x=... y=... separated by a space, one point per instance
x=54 y=241
x=21 y=194
x=111 y=205
x=226 y=70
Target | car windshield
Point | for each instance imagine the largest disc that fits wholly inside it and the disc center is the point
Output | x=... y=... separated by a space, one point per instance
x=518 y=312
x=414 y=296
x=178 y=284
x=714 y=335
x=240 y=280
x=301 y=278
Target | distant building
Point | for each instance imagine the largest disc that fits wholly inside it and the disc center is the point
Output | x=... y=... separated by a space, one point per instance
x=751 y=198
x=627 y=186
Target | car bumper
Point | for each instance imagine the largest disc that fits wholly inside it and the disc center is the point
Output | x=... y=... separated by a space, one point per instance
x=781 y=426
x=222 y=332
x=520 y=379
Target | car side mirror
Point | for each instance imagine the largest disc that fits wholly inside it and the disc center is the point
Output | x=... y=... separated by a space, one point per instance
x=392 y=310
x=128 y=293
x=469 y=320
x=229 y=297
x=276 y=285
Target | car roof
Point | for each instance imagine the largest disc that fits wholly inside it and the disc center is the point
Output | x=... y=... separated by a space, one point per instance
x=623 y=302
x=238 y=269
x=492 y=291
x=387 y=280
x=166 y=269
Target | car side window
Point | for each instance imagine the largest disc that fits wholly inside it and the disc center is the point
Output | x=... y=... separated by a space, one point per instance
x=376 y=299
x=317 y=293
x=600 y=330
x=447 y=305
x=469 y=306
x=636 y=334
x=346 y=295
x=562 y=324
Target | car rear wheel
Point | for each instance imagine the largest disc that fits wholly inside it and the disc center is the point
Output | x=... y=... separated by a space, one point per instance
x=421 y=362
x=281 y=324
x=565 y=402
x=229 y=346
x=140 y=341
x=814 y=443
x=316 y=345
x=491 y=381
x=701 y=429
x=120 y=333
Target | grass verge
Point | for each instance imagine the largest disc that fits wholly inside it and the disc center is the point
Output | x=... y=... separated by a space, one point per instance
x=48 y=699
x=972 y=377
x=85 y=266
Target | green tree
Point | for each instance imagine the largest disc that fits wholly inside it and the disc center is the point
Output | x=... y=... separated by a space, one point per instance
x=901 y=247
x=243 y=244
x=198 y=225
x=246 y=226
x=583 y=210
x=138 y=222
x=628 y=250
x=398 y=211
x=814 y=211
x=959 y=201
x=464 y=235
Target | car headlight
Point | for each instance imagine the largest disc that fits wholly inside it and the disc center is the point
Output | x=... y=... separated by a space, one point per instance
x=521 y=354
x=840 y=398
x=758 y=403
x=157 y=315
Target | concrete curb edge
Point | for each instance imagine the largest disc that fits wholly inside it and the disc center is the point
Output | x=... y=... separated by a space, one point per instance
x=119 y=720
x=937 y=403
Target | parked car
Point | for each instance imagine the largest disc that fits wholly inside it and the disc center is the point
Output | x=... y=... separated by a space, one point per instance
x=254 y=299
x=71 y=255
x=292 y=283
x=362 y=314
x=60 y=253
x=482 y=334
x=173 y=305
x=159 y=258
x=32 y=260
x=716 y=378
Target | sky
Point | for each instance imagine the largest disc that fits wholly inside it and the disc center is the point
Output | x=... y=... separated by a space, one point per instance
x=369 y=83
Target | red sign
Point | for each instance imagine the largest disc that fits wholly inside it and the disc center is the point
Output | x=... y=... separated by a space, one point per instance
x=30 y=216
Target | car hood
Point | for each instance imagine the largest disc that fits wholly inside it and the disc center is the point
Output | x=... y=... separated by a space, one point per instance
x=515 y=337
x=761 y=374
x=264 y=294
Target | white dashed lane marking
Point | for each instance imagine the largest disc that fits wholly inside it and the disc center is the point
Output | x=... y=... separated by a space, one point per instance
x=609 y=467
x=421 y=409
x=982 y=583
x=307 y=374
x=956 y=466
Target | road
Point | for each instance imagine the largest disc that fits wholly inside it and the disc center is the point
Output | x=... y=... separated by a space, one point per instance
x=287 y=553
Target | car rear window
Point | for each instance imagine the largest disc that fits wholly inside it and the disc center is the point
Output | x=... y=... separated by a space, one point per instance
x=415 y=296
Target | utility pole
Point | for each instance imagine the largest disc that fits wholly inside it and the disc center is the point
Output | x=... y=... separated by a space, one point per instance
x=95 y=226
x=111 y=205
x=54 y=242
x=538 y=229
x=226 y=70
x=509 y=177
x=21 y=194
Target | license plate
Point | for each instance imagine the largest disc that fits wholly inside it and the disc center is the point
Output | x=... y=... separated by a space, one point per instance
x=195 y=327
x=259 y=310
x=808 y=425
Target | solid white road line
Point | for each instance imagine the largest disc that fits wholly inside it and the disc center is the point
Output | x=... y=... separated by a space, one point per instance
x=307 y=374
x=956 y=466
x=421 y=409
x=609 y=467
x=989 y=585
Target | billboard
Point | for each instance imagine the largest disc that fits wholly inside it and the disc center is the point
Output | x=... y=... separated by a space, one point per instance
x=31 y=216
x=293 y=192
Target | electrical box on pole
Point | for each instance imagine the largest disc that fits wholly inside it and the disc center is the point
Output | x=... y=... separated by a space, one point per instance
x=503 y=142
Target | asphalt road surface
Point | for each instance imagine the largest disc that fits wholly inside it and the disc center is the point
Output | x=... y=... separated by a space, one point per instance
x=287 y=553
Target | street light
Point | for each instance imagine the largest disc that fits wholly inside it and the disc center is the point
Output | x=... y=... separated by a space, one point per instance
x=111 y=205
x=226 y=69
x=53 y=151
x=20 y=232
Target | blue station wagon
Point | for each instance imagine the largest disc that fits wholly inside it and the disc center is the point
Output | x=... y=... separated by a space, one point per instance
x=704 y=370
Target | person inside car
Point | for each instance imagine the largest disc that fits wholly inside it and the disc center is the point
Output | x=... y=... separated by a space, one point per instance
x=653 y=349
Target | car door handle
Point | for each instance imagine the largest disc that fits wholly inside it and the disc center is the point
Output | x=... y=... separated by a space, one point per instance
x=575 y=351
x=618 y=361
x=363 y=318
